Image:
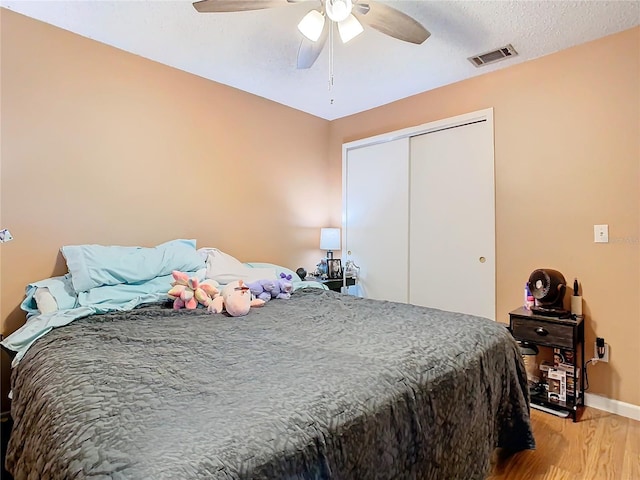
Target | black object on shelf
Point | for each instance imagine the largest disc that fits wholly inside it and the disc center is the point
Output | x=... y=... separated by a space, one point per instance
x=302 y=273
x=335 y=284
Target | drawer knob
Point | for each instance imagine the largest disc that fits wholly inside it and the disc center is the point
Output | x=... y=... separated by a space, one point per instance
x=542 y=332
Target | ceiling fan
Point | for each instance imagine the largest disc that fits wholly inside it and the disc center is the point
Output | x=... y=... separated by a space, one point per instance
x=349 y=15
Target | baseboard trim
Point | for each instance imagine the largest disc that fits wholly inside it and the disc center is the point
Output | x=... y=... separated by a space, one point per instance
x=612 y=406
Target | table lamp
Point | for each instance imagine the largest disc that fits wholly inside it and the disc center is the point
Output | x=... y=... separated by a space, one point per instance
x=329 y=240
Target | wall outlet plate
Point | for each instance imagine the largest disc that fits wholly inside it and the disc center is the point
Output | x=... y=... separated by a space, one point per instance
x=606 y=352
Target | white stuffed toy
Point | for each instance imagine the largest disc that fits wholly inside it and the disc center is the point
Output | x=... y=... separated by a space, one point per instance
x=236 y=299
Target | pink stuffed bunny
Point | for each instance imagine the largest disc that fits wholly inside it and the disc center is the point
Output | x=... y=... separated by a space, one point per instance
x=188 y=292
x=236 y=299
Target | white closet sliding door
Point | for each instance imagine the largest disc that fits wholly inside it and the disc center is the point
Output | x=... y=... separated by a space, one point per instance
x=419 y=214
x=452 y=220
x=376 y=217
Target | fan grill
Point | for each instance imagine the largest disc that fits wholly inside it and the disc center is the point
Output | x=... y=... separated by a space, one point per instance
x=547 y=287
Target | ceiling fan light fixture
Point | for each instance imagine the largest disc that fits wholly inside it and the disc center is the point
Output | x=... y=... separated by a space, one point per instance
x=338 y=10
x=349 y=28
x=311 y=25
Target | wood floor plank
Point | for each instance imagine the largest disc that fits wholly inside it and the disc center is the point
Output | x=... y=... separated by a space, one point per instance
x=582 y=434
x=600 y=446
x=589 y=441
x=611 y=437
x=556 y=473
x=631 y=462
x=631 y=466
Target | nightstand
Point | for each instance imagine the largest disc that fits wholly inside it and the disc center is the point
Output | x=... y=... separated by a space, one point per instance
x=335 y=284
x=560 y=334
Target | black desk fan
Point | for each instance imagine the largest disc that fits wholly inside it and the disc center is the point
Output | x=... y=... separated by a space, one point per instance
x=548 y=286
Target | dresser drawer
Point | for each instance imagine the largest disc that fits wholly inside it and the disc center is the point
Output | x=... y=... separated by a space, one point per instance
x=543 y=332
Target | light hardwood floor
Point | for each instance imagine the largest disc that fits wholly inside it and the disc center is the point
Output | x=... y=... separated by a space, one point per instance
x=600 y=446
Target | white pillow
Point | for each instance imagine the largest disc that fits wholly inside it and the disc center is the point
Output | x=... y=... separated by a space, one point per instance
x=45 y=301
x=223 y=268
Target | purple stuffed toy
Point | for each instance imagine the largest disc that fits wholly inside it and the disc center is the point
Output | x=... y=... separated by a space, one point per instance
x=262 y=288
x=283 y=287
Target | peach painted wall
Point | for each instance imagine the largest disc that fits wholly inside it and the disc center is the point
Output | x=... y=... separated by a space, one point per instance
x=92 y=136
x=567 y=156
x=102 y=146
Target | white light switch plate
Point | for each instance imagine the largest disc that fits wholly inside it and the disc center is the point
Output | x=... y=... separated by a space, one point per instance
x=601 y=233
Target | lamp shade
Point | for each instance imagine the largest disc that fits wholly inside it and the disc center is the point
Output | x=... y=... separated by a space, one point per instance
x=330 y=239
x=311 y=25
x=349 y=28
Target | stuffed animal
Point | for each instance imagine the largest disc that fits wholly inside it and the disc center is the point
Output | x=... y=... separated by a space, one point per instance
x=322 y=268
x=283 y=288
x=206 y=291
x=188 y=292
x=262 y=288
x=236 y=299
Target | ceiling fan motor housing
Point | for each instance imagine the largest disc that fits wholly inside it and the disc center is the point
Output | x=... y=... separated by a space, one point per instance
x=338 y=10
x=547 y=286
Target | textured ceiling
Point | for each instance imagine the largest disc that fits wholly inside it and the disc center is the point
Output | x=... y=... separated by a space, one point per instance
x=256 y=51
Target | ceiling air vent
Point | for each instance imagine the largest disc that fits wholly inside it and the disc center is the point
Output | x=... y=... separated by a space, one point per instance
x=493 y=56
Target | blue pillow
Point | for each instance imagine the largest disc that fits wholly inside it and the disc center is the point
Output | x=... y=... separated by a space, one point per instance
x=95 y=265
x=126 y=296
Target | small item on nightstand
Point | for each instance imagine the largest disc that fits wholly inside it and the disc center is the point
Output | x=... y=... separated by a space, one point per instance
x=529 y=301
x=322 y=268
x=576 y=300
x=351 y=269
x=302 y=273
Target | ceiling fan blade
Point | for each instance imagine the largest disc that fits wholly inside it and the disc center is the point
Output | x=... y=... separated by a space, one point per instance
x=392 y=22
x=310 y=51
x=361 y=7
x=216 y=6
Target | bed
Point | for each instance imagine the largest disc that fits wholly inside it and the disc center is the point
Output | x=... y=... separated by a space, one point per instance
x=319 y=386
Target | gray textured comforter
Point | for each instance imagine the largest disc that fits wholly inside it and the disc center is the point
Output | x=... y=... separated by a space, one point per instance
x=319 y=386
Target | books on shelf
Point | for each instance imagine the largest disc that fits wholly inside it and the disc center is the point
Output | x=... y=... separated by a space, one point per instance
x=545 y=366
x=563 y=359
x=571 y=386
x=557 y=380
x=556 y=377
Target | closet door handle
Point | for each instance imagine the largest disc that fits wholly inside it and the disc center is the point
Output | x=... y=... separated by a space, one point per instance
x=542 y=332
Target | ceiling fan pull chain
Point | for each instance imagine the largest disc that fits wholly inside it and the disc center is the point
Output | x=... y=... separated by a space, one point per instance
x=331 y=56
x=331 y=59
